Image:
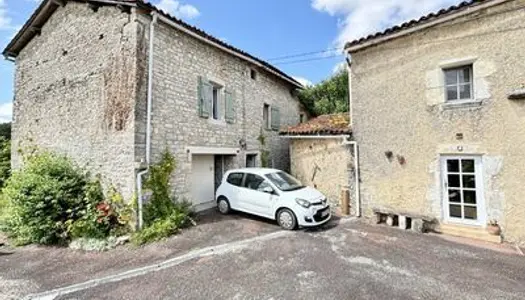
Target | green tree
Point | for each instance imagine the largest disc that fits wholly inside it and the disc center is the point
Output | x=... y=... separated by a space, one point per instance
x=327 y=97
x=5 y=130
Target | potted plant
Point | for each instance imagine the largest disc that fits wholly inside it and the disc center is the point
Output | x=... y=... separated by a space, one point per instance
x=493 y=227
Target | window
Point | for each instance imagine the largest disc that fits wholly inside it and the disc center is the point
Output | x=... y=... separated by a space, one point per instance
x=301 y=118
x=255 y=182
x=251 y=160
x=459 y=83
x=235 y=179
x=253 y=74
x=215 y=103
x=266 y=116
x=284 y=181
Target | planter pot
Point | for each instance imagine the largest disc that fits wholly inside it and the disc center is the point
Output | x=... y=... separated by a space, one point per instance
x=494 y=229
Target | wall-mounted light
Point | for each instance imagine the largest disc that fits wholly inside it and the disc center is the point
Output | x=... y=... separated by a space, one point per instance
x=460 y=148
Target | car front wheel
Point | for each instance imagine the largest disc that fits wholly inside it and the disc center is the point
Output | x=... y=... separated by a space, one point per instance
x=286 y=219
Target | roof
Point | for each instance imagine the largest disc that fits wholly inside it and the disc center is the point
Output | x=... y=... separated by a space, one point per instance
x=46 y=9
x=421 y=23
x=325 y=125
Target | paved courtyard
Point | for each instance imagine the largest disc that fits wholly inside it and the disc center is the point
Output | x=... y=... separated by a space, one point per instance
x=345 y=260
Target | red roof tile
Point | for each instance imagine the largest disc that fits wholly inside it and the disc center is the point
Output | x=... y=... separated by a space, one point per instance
x=335 y=124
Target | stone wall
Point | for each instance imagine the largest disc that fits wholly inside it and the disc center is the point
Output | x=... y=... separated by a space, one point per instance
x=325 y=164
x=398 y=106
x=75 y=88
x=179 y=61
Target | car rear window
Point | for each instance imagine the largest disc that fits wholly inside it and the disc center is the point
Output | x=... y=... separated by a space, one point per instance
x=235 y=179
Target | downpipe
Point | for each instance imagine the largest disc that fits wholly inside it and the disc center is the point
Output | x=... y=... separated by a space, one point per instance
x=148 y=121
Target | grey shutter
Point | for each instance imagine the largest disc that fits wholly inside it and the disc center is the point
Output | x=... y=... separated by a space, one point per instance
x=205 y=97
x=275 y=118
x=229 y=100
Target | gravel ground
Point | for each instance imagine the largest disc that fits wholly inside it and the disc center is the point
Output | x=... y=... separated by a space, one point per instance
x=349 y=261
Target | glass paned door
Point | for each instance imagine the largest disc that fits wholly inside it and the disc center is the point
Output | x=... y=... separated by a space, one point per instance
x=462 y=192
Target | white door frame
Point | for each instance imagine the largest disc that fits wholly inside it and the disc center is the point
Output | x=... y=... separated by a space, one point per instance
x=480 y=197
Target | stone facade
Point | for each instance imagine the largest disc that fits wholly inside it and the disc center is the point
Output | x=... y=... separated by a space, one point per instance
x=403 y=125
x=326 y=164
x=179 y=62
x=81 y=89
x=75 y=87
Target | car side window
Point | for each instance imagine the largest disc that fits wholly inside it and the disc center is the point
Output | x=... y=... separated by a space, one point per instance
x=255 y=182
x=235 y=179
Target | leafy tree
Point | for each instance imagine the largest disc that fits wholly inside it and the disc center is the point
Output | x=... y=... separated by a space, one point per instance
x=327 y=97
x=5 y=130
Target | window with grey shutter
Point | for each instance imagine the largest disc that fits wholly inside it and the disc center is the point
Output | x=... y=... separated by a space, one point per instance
x=205 y=97
x=275 y=118
x=229 y=100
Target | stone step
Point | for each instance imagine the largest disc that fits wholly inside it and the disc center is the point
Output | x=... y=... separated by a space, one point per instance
x=466 y=231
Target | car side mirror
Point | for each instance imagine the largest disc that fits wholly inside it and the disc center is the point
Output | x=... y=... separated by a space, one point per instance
x=268 y=190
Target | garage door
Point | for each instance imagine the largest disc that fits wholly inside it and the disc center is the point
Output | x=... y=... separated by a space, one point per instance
x=203 y=186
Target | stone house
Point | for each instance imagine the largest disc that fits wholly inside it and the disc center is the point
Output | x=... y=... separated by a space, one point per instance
x=113 y=84
x=322 y=156
x=438 y=114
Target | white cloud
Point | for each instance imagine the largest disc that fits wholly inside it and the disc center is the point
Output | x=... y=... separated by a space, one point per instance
x=5 y=20
x=358 y=18
x=305 y=82
x=6 y=112
x=339 y=67
x=177 y=9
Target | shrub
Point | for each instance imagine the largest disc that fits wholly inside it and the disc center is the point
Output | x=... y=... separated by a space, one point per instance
x=52 y=200
x=163 y=215
x=5 y=160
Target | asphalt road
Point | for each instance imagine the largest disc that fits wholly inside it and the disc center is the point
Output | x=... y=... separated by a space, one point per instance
x=349 y=261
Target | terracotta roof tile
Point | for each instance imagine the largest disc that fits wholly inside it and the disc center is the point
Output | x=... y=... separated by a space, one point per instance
x=335 y=124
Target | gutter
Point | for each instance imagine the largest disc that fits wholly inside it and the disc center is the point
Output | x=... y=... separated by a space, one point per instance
x=148 y=119
x=229 y=51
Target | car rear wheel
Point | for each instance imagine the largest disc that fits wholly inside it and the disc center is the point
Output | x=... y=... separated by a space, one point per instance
x=223 y=205
x=286 y=219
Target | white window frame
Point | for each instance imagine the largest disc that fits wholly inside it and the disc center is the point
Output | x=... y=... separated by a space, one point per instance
x=480 y=198
x=458 y=84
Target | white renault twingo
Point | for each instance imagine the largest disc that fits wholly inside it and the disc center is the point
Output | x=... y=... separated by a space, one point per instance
x=272 y=194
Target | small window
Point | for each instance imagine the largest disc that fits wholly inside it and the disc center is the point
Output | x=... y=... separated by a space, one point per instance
x=255 y=182
x=253 y=74
x=235 y=179
x=301 y=118
x=266 y=116
x=215 y=103
x=251 y=160
x=459 y=83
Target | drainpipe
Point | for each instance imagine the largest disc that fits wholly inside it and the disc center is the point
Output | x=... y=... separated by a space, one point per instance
x=356 y=171
x=148 y=118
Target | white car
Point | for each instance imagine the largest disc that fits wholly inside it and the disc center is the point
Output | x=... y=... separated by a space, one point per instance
x=272 y=194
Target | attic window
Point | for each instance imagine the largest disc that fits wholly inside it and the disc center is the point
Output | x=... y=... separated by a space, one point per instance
x=253 y=74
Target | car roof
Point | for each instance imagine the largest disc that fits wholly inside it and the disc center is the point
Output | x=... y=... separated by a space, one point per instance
x=256 y=171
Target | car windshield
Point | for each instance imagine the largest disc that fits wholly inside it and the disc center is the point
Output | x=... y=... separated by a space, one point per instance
x=284 y=181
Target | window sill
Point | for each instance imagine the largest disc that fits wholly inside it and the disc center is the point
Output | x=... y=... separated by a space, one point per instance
x=217 y=122
x=461 y=104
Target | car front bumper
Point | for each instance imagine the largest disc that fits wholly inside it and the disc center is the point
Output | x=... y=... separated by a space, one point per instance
x=314 y=216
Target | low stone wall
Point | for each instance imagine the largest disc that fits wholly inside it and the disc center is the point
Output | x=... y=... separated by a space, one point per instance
x=325 y=164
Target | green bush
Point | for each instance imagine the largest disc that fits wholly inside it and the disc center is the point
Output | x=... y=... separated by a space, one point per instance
x=162 y=228
x=5 y=160
x=164 y=214
x=52 y=200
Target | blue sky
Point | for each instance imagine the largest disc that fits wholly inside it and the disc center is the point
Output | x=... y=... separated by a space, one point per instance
x=266 y=29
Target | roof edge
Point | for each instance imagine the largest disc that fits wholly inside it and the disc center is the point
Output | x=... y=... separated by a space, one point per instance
x=418 y=25
x=44 y=11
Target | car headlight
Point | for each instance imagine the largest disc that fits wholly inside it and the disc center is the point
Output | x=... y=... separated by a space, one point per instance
x=303 y=202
